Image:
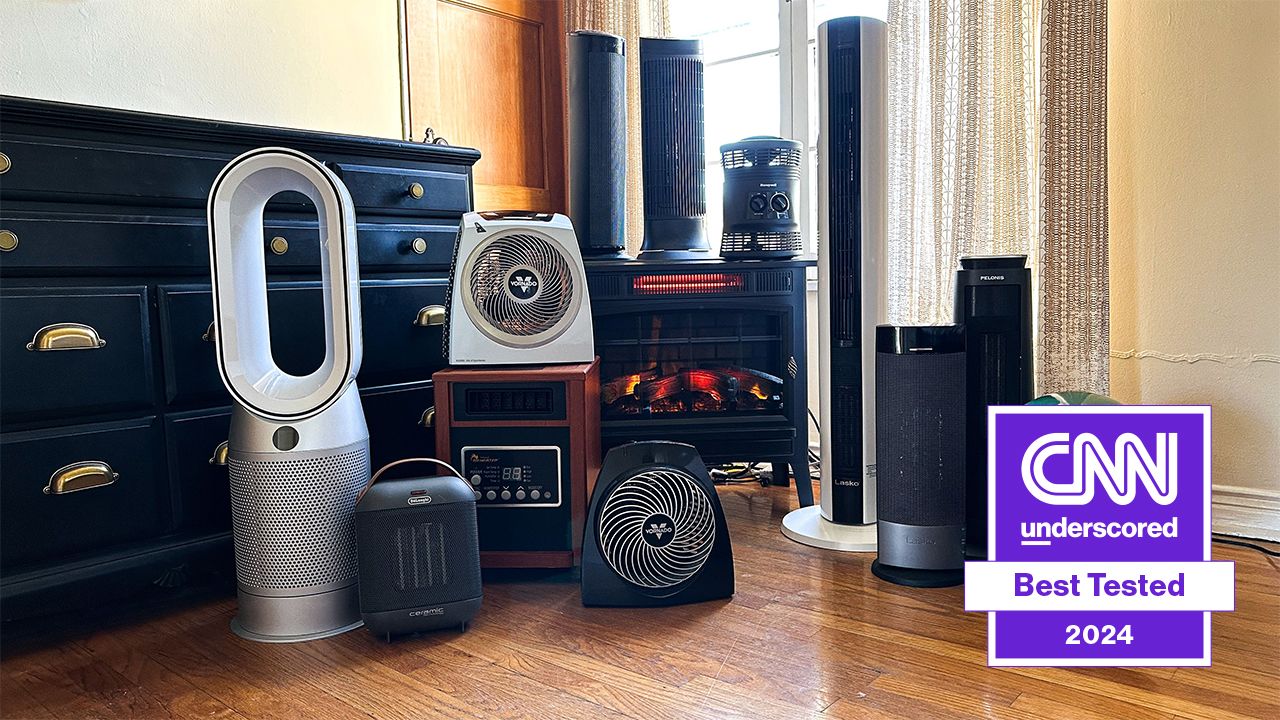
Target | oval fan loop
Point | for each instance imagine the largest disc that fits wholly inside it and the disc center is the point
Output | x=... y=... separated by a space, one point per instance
x=522 y=286
x=641 y=506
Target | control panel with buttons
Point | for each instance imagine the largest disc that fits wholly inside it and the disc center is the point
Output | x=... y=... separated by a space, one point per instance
x=513 y=476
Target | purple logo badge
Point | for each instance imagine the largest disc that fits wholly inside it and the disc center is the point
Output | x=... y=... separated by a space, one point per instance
x=1099 y=537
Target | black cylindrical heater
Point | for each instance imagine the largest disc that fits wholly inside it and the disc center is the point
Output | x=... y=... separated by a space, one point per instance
x=920 y=454
x=598 y=143
x=761 y=187
x=675 y=176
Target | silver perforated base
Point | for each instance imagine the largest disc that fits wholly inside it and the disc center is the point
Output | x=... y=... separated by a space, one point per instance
x=292 y=522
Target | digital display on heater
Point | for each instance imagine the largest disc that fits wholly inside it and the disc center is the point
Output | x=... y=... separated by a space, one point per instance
x=513 y=476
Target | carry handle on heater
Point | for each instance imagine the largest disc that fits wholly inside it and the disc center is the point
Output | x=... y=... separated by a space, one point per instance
x=237 y=253
x=405 y=461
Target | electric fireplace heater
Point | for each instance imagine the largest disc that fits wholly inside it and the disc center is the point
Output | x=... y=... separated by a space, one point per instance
x=709 y=353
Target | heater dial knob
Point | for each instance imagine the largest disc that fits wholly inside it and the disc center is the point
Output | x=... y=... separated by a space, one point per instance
x=779 y=203
x=758 y=203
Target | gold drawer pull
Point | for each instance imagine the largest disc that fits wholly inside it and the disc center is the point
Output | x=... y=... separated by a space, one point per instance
x=219 y=457
x=210 y=333
x=66 y=336
x=80 y=476
x=430 y=315
x=428 y=417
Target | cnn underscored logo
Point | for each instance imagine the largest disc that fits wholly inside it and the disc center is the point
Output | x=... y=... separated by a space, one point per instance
x=1119 y=470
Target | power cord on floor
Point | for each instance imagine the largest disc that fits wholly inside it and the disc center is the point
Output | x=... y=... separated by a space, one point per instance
x=1226 y=540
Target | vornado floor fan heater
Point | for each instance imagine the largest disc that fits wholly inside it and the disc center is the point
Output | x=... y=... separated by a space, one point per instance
x=852 y=205
x=298 y=450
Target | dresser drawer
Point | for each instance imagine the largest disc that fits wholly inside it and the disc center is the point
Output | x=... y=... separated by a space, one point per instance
x=84 y=171
x=179 y=241
x=396 y=349
x=197 y=473
x=409 y=190
x=74 y=349
x=395 y=418
x=41 y=523
x=88 y=171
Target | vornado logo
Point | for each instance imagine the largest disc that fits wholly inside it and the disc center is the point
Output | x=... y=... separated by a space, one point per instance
x=523 y=284
x=1119 y=472
x=659 y=530
x=429 y=612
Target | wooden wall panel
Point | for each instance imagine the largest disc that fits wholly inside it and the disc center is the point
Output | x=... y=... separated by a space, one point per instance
x=490 y=74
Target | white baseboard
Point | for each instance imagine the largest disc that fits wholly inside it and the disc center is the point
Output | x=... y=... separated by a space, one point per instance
x=1246 y=512
x=1240 y=511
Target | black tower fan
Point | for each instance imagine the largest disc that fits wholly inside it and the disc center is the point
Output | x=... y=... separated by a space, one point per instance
x=598 y=143
x=675 y=176
x=993 y=302
x=655 y=531
x=761 y=186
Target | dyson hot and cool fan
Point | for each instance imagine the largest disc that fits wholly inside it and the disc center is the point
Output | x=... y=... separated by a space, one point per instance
x=298 y=450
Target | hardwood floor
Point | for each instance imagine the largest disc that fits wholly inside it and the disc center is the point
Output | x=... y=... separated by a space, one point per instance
x=810 y=634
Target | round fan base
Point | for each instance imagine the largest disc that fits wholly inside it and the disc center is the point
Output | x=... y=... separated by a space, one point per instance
x=917 y=578
x=807 y=527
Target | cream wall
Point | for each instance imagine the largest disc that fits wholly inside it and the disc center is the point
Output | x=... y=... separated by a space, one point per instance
x=316 y=64
x=1194 y=166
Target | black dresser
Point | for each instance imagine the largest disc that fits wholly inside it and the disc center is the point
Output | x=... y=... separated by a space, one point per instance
x=111 y=409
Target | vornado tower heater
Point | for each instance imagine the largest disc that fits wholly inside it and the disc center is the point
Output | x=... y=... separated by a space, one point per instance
x=298 y=450
x=852 y=205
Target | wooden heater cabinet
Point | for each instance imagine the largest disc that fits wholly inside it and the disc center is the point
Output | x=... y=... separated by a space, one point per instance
x=527 y=440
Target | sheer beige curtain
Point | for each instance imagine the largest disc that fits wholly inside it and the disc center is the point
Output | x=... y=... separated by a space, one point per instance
x=988 y=156
x=630 y=19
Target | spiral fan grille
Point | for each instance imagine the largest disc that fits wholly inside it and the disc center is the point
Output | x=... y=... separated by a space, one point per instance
x=628 y=513
x=492 y=271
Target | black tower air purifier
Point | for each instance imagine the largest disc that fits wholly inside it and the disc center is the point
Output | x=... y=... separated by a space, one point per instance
x=920 y=454
x=993 y=302
x=598 y=143
x=852 y=205
x=675 y=177
x=761 y=192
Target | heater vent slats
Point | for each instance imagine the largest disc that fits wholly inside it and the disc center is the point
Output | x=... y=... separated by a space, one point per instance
x=844 y=228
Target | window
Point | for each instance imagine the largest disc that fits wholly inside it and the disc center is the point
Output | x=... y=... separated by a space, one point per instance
x=761 y=79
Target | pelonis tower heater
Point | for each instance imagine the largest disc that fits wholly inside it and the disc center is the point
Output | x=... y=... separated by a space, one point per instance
x=298 y=450
x=852 y=205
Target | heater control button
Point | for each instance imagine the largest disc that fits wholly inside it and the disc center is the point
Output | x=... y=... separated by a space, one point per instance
x=506 y=494
x=491 y=495
x=520 y=494
x=477 y=492
x=758 y=203
x=475 y=479
x=779 y=203
x=535 y=494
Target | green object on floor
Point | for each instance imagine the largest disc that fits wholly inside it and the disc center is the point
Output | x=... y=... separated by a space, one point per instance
x=1074 y=397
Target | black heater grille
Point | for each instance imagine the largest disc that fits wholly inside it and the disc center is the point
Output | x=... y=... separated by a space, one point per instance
x=673 y=152
x=750 y=243
x=417 y=557
x=845 y=222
